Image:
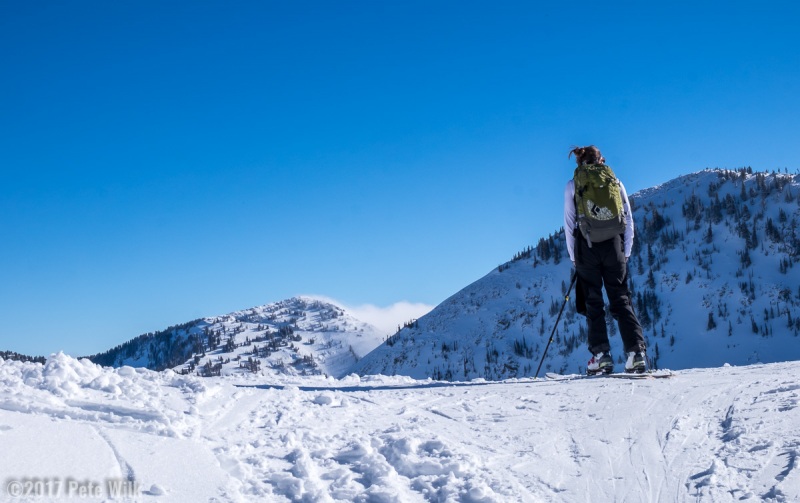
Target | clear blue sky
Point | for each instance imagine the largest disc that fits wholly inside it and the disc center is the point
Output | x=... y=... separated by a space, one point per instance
x=164 y=161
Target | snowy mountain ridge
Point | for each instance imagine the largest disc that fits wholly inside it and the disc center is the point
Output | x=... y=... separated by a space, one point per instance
x=302 y=335
x=712 y=276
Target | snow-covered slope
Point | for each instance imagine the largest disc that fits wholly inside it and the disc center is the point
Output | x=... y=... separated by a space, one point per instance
x=74 y=431
x=302 y=335
x=712 y=274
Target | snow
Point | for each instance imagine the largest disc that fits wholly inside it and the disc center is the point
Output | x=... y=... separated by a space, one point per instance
x=730 y=433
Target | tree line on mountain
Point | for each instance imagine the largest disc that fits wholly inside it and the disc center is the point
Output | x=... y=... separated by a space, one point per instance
x=160 y=350
x=11 y=355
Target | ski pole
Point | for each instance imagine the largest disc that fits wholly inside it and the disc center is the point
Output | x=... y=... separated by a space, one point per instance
x=566 y=299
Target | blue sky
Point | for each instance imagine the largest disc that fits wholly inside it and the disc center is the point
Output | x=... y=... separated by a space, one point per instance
x=164 y=161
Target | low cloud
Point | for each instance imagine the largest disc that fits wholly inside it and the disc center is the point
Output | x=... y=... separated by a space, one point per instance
x=386 y=319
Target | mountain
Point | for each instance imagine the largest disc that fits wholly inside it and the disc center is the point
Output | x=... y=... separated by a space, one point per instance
x=301 y=335
x=712 y=274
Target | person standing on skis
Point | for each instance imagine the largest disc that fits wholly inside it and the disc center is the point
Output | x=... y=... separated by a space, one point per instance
x=598 y=225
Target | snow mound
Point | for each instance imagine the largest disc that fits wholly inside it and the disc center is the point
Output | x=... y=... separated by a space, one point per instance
x=78 y=389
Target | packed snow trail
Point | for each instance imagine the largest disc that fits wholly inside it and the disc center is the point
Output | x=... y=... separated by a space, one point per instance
x=723 y=434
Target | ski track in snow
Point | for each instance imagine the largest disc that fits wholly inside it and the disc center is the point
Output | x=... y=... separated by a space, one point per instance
x=724 y=434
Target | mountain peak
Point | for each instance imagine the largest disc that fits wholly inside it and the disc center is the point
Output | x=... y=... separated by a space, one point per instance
x=300 y=335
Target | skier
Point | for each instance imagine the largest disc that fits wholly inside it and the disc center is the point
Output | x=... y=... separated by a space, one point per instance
x=599 y=231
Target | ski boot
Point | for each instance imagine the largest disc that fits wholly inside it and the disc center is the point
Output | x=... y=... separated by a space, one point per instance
x=635 y=364
x=601 y=363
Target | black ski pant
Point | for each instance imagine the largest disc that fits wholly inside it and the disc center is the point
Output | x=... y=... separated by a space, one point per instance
x=604 y=264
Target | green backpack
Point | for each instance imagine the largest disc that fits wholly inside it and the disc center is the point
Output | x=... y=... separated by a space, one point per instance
x=598 y=203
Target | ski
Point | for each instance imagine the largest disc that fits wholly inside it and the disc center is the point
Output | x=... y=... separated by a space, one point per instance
x=656 y=374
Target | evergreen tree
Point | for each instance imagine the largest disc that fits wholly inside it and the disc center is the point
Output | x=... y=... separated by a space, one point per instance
x=711 y=323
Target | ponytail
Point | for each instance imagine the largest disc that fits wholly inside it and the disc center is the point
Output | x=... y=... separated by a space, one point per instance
x=587 y=155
